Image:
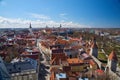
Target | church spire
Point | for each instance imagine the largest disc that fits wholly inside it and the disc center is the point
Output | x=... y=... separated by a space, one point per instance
x=30 y=26
x=112 y=61
x=113 y=56
x=30 y=30
x=60 y=25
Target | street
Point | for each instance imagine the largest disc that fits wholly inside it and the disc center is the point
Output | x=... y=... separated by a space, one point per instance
x=44 y=66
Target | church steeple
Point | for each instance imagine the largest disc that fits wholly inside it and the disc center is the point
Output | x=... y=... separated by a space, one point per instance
x=113 y=56
x=60 y=25
x=30 y=30
x=94 y=48
x=112 y=61
x=30 y=26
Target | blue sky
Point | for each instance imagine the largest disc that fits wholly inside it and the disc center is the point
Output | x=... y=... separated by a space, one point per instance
x=70 y=13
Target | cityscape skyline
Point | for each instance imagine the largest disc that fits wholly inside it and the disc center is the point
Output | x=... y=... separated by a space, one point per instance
x=69 y=13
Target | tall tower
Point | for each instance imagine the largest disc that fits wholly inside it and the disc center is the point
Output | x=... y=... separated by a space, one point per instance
x=60 y=25
x=94 y=49
x=59 y=29
x=112 y=61
x=30 y=29
x=30 y=26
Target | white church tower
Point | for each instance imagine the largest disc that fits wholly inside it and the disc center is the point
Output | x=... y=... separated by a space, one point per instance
x=112 y=61
x=94 y=49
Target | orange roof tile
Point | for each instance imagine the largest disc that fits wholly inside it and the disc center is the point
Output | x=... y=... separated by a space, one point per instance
x=92 y=62
x=53 y=60
x=71 y=41
x=75 y=39
x=61 y=41
x=99 y=71
x=112 y=56
x=52 y=77
x=74 y=60
x=55 y=69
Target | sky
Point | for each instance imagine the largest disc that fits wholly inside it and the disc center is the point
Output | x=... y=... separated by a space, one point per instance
x=69 y=13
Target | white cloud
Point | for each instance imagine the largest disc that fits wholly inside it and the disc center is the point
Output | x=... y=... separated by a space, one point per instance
x=63 y=16
x=39 y=16
x=22 y=23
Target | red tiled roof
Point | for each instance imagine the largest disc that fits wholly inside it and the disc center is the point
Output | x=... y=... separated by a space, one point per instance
x=74 y=61
x=99 y=71
x=53 y=60
x=52 y=77
x=55 y=69
x=92 y=62
x=43 y=43
x=62 y=41
x=75 y=39
x=113 y=56
x=56 y=57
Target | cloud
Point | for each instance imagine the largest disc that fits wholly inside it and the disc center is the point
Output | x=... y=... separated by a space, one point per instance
x=63 y=16
x=39 y=16
x=23 y=23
